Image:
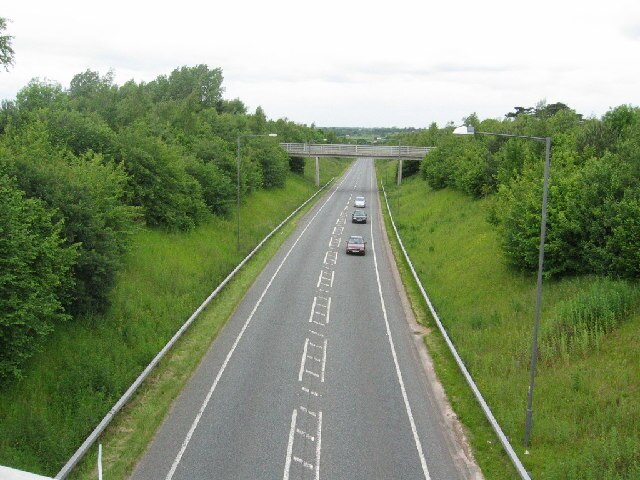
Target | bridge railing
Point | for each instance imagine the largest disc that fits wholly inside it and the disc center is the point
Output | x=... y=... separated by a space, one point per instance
x=348 y=150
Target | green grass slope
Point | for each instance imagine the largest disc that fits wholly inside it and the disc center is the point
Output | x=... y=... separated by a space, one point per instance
x=587 y=399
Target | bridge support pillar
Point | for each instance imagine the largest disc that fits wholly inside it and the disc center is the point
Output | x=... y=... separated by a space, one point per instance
x=399 y=171
x=317 y=171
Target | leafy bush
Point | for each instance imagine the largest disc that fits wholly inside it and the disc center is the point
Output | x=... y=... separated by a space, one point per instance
x=170 y=197
x=218 y=191
x=273 y=161
x=296 y=165
x=34 y=271
x=80 y=132
x=89 y=197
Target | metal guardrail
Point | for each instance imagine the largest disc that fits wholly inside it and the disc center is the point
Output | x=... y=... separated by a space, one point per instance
x=347 y=150
x=91 y=439
x=517 y=463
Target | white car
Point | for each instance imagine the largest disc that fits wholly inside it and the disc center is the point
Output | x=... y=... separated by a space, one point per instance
x=359 y=203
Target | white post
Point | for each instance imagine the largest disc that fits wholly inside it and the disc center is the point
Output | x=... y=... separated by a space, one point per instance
x=100 y=461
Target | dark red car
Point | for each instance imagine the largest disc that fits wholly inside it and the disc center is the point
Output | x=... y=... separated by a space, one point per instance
x=356 y=244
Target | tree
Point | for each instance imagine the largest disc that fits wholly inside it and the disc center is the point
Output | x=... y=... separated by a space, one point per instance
x=39 y=94
x=88 y=197
x=34 y=269
x=258 y=121
x=6 y=50
x=170 y=197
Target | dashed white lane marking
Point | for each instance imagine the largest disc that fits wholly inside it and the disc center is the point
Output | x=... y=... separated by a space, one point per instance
x=311 y=392
x=305 y=435
x=330 y=258
x=414 y=429
x=308 y=412
x=313 y=310
x=318 y=445
x=324 y=360
x=287 y=463
x=303 y=463
x=304 y=359
x=207 y=399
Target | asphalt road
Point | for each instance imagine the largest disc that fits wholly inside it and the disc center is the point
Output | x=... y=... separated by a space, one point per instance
x=317 y=374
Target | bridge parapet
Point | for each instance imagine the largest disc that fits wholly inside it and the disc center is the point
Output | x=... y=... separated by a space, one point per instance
x=348 y=150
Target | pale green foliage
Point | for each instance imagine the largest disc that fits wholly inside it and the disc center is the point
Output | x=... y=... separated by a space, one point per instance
x=6 y=50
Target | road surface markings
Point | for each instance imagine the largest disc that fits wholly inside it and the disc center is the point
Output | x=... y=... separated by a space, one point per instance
x=304 y=360
x=207 y=399
x=330 y=258
x=314 y=358
x=414 y=429
x=318 y=443
x=325 y=279
x=287 y=463
x=310 y=392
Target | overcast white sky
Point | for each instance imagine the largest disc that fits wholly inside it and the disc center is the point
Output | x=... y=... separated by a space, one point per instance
x=347 y=62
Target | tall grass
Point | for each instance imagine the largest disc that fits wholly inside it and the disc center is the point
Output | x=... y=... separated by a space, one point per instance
x=88 y=363
x=581 y=322
x=586 y=407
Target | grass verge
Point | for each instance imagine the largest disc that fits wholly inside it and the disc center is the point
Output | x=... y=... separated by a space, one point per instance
x=88 y=363
x=587 y=399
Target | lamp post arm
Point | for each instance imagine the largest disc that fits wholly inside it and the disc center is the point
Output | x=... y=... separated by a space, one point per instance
x=540 y=139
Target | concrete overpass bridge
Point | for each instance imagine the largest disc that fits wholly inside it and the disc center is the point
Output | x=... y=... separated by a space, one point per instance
x=317 y=150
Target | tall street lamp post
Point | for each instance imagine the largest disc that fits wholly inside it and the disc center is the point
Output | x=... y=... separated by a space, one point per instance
x=468 y=130
x=238 y=178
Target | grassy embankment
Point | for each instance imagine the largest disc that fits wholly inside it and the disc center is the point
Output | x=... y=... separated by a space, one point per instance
x=587 y=392
x=88 y=363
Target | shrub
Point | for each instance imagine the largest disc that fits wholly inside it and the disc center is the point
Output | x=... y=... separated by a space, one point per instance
x=34 y=271
x=88 y=196
x=170 y=197
x=218 y=191
x=296 y=165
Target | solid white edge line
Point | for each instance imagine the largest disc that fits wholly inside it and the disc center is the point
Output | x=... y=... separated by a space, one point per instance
x=287 y=463
x=324 y=360
x=313 y=309
x=304 y=359
x=476 y=391
x=196 y=421
x=318 y=445
x=414 y=429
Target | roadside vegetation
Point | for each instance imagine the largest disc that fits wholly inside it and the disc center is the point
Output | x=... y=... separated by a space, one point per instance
x=462 y=240
x=117 y=220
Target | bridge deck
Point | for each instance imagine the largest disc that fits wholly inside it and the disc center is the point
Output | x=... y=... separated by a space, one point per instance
x=347 y=150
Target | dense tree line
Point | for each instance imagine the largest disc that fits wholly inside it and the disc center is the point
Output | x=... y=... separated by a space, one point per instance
x=81 y=168
x=594 y=202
